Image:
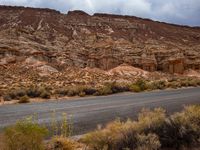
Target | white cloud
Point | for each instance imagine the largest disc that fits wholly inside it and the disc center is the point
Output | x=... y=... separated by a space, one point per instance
x=174 y=11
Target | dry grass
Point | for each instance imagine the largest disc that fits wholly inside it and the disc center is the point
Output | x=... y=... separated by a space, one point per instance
x=1 y=140
x=24 y=135
x=152 y=130
x=140 y=85
x=63 y=143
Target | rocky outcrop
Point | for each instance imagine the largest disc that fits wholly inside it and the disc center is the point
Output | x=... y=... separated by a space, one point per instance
x=99 y=41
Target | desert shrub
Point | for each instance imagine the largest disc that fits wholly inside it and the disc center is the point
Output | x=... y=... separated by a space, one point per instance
x=139 y=86
x=105 y=139
x=184 y=82
x=134 y=88
x=17 y=93
x=24 y=99
x=142 y=84
x=112 y=87
x=151 y=121
x=104 y=90
x=35 y=91
x=62 y=143
x=73 y=91
x=191 y=116
x=148 y=142
x=193 y=82
x=151 y=131
x=24 y=135
x=85 y=90
x=174 y=79
x=198 y=82
x=76 y=91
x=175 y=135
x=63 y=127
x=174 y=84
x=90 y=91
x=181 y=129
x=82 y=94
x=62 y=91
x=156 y=85
x=45 y=94
x=117 y=87
x=7 y=98
x=118 y=136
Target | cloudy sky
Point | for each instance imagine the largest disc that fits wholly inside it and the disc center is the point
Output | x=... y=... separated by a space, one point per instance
x=185 y=12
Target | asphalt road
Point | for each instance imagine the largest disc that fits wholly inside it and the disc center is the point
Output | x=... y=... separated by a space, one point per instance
x=92 y=111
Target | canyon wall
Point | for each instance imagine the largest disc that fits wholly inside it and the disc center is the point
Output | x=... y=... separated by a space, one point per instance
x=99 y=41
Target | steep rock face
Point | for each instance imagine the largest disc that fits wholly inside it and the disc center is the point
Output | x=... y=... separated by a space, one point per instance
x=100 y=41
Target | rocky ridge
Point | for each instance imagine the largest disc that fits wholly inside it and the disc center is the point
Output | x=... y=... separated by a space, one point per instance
x=35 y=43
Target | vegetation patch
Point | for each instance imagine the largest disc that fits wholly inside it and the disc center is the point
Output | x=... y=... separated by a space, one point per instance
x=153 y=130
x=24 y=99
x=24 y=135
x=108 y=88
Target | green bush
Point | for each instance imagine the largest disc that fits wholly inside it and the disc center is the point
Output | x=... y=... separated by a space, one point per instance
x=139 y=86
x=24 y=99
x=142 y=84
x=104 y=90
x=134 y=88
x=156 y=85
x=81 y=90
x=184 y=82
x=193 y=82
x=24 y=135
x=82 y=94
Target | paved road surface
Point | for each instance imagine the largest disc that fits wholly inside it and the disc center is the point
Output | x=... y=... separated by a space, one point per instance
x=90 y=111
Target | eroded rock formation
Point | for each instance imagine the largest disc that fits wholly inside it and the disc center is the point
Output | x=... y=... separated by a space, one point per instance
x=100 y=41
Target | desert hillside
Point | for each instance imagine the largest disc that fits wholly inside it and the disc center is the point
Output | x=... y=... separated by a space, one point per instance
x=45 y=46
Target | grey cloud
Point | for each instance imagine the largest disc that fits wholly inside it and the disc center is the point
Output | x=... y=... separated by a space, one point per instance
x=185 y=12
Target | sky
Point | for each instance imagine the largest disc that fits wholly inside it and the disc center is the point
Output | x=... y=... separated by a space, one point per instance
x=184 y=12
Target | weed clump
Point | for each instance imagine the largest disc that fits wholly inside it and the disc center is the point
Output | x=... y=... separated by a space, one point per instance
x=139 y=86
x=63 y=143
x=135 y=88
x=24 y=99
x=24 y=135
x=35 y=92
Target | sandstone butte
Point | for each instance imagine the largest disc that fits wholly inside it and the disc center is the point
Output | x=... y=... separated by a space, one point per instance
x=48 y=47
